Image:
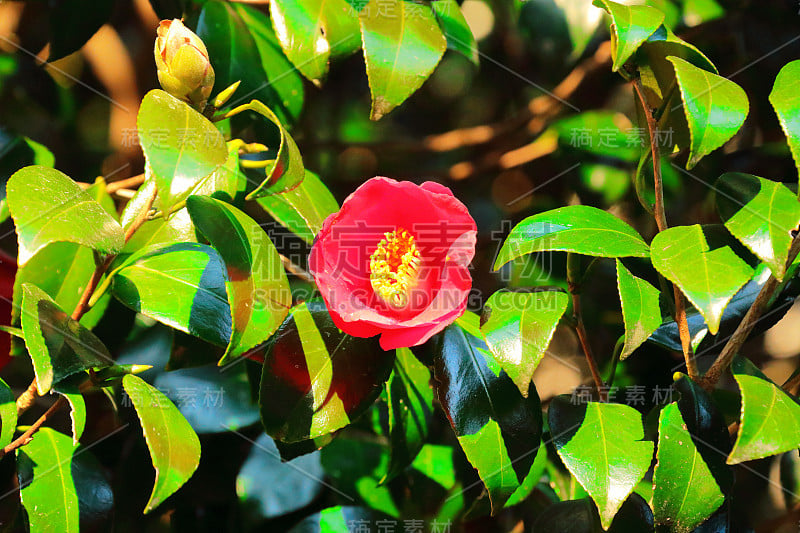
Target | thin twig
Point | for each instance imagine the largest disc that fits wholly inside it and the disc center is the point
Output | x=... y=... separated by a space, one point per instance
x=127 y=183
x=573 y=274
x=26 y=437
x=27 y=398
x=296 y=269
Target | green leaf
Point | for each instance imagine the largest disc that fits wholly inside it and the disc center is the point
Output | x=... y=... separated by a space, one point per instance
x=243 y=47
x=761 y=214
x=640 y=308
x=410 y=401
x=287 y=171
x=770 y=419
x=337 y=519
x=455 y=28
x=311 y=31
x=17 y=152
x=182 y=286
x=496 y=426
x=317 y=379
x=702 y=263
x=181 y=146
x=173 y=444
x=77 y=413
x=402 y=46
x=47 y=206
x=256 y=486
x=685 y=492
x=519 y=328
x=258 y=291
x=630 y=27
x=715 y=108
x=59 y=346
x=44 y=467
x=581 y=516
x=577 y=228
x=72 y=24
x=601 y=445
x=302 y=209
x=8 y=414
x=786 y=102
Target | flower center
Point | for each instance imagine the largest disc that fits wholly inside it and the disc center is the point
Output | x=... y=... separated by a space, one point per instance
x=394 y=267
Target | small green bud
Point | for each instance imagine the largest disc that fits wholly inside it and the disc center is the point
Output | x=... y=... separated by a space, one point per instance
x=184 y=69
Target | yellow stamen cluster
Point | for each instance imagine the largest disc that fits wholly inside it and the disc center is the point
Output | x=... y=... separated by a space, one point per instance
x=394 y=267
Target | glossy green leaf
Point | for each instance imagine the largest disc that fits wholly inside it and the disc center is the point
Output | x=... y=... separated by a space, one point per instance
x=700 y=260
x=173 y=444
x=47 y=206
x=77 y=410
x=580 y=516
x=410 y=399
x=59 y=346
x=685 y=492
x=715 y=108
x=640 y=308
x=455 y=28
x=577 y=228
x=770 y=419
x=287 y=171
x=256 y=486
x=311 y=31
x=786 y=102
x=243 y=47
x=317 y=379
x=8 y=414
x=303 y=209
x=496 y=426
x=519 y=328
x=182 y=286
x=95 y=495
x=601 y=445
x=258 y=291
x=402 y=46
x=181 y=146
x=630 y=27
x=44 y=467
x=761 y=214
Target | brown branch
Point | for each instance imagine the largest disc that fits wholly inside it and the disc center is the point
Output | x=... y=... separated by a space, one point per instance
x=127 y=183
x=573 y=286
x=27 y=398
x=26 y=437
x=296 y=269
x=745 y=327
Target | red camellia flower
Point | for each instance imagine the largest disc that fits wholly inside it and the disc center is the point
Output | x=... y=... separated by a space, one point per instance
x=394 y=261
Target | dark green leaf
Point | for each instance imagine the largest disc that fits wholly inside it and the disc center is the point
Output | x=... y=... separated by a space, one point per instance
x=496 y=426
x=316 y=379
x=8 y=414
x=577 y=228
x=95 y=496
x=455 y=28
x=302 y=209
x=47 y=206
x=72 y=24
x=630 y=27
x=17 y=152
x=336 y=519
x=258 y=291
x=410 y=401
x=174 y=446
x=786 y=101
x=700 y=260
x=715 y=108
x=183 y=286
x=44 y=467
x=602 y=446
x=580 y=516
x=181 y=146
x=640 y=308
x=519 y=328
x=59 y=346
x=761 y=214
x=402 y=46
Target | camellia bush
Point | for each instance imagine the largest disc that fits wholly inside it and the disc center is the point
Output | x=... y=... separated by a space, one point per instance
x=549 y=318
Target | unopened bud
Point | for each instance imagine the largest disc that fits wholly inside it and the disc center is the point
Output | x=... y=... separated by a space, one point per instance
x=184 y=69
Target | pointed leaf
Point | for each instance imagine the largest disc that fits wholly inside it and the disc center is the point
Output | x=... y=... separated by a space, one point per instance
x=455 y=28
x=786 y=101
x=173 y=444
x=577 y=228
x=402 y=46
x=630 y=27
x=715 y=108
x=77 y=413
x=519 y=329
x=602 y=446
x=8 y=414
x=640 y=308
x=59 y=346
x=182 y=286
x=761 y=214
x=181 y=146
x=47 y=206
x=701 y=262
x=316 y=379
x=258 y=291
